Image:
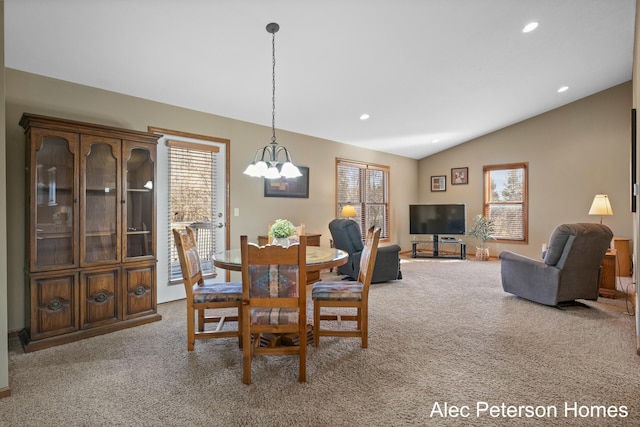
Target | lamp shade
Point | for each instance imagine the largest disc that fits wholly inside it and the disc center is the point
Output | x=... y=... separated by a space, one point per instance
x=601 y=206
x=348 y=211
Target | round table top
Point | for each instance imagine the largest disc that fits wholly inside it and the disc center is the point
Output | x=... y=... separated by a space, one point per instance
x=317 y=258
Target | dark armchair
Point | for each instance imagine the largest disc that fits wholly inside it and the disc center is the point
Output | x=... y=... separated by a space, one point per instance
x=570 y=270
x=347 y=236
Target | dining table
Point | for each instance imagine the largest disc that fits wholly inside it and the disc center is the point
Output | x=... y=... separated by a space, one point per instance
x=318 y=258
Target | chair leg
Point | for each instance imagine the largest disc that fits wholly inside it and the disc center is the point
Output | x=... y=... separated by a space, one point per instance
x=201 y=320
x=316 y=323
x=191 y=327
x=303 y=354
x=363 y=316
x=240 y=340
x=246 y=348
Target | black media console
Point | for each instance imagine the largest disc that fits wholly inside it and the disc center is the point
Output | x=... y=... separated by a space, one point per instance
x=436 y=250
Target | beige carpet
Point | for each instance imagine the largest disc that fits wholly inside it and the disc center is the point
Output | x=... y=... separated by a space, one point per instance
x=444 y=335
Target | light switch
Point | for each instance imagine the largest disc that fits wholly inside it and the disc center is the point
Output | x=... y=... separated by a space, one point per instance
x=236 y=211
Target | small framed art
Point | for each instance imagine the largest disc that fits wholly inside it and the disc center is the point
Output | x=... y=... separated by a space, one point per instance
x=439 y=183
x=459 y=176
x=288 y=187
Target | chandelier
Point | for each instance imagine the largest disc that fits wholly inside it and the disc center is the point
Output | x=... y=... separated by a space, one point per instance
x=266 y=160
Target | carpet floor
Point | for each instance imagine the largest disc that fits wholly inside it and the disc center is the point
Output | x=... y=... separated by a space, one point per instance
x=446 y=347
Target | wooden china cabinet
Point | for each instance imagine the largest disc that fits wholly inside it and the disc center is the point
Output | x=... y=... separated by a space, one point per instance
x=91 y=230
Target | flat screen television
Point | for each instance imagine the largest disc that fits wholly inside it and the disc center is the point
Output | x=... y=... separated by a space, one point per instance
x=437 y=219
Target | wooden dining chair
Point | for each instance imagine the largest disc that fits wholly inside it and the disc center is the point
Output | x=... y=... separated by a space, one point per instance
x=346 y=294
x=274 y=301
x=205 y=294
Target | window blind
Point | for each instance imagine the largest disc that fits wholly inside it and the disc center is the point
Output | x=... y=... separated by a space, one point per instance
x=506 y=200
x=366 y=187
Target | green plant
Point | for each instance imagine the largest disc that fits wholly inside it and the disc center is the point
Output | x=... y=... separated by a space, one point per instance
x=282 y=228
x=482 y=230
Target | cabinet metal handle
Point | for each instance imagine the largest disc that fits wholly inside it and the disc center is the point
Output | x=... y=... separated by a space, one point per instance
x=100 y=297
x=55 y=305
x=140 y=290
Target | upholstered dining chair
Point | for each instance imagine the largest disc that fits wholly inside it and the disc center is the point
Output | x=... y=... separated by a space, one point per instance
x=203 y=294
x=354 y=295
x=273 y=301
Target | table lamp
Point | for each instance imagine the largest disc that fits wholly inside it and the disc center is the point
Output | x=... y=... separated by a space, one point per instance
x=348 y=211
x=601 y=206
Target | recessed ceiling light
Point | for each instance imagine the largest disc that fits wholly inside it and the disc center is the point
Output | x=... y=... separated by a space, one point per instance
x=364 y=116
x=530 y=27
x=435 y=140
x=563 y=89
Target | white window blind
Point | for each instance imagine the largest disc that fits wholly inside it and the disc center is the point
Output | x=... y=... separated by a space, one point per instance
x=366 y=187
x=505 y=200
x=192 y=201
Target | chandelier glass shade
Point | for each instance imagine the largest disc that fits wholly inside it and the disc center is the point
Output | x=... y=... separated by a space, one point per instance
x=266 y=162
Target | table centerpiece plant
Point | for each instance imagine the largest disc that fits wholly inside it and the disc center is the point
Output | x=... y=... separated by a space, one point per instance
x=281 y=231
x=482 y=230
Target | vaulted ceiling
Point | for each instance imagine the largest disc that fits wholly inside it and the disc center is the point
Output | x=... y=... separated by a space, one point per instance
x=424 y=70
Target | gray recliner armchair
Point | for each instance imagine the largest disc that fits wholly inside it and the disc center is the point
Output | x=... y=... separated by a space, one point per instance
x=570 y=270
x=346 y=236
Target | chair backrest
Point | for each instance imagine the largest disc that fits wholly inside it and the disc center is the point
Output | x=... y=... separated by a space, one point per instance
x=299 y=231
x=205 y=238
x=368 y=257
x=578 y=243
x=274 y=276
x=187 y=248
x=346 y=235
x=578 y=250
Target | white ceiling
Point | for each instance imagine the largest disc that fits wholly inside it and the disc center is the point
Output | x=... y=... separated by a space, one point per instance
x=450 y=70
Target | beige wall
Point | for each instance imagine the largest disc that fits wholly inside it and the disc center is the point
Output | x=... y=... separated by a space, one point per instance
x=573 y=153
x=41 y=95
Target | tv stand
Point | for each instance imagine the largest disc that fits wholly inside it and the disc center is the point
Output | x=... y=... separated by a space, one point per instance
x=436 y=242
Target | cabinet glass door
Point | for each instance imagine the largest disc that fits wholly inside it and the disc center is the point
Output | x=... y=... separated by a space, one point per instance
x=54 y=195
x=101 y=218
x=139 y=214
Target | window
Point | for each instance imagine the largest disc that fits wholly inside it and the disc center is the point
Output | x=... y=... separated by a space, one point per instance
x=192 y=200
x=366 y=187
x=505 y=200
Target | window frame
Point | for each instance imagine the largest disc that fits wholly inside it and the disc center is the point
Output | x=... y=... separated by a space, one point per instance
x=486 y=197
x=361 y=204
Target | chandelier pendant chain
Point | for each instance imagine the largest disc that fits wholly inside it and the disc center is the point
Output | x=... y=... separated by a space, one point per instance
x=273 y=86
x=265 y=163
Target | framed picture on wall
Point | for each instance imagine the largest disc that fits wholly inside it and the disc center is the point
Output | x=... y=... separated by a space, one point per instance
x=459 y=176
x=288 y=187
x=439 y=183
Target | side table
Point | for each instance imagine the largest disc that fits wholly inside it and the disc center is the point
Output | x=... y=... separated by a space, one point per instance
x=608 y=278
x=623 y=253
